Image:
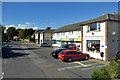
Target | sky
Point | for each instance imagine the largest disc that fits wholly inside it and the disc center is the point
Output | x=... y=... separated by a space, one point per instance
x=39 y=15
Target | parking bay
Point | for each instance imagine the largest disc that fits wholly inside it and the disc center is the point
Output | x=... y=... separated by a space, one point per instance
x=81 y=65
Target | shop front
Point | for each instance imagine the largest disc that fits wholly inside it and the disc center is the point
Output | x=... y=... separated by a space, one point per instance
x=76 y=41
x=94 y=46
x=56 y=43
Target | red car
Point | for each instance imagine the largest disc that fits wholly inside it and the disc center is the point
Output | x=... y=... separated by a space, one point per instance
x=71 y=55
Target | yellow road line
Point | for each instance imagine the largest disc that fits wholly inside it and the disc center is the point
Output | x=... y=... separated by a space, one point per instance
x=98 y=62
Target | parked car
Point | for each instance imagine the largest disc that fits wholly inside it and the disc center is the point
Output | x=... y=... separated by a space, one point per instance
x=56 y=52
x=69 y=46
x=63 y=47
x=117 y=56
x=45 y=45
x=71 y=55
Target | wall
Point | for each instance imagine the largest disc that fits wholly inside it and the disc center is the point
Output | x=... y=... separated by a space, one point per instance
x=47 y=38
x=41 y=37
x=112 y=40
x=36 y=37
x=98 y=35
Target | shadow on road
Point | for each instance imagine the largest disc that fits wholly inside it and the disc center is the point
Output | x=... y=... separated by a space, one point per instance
x=13 y=53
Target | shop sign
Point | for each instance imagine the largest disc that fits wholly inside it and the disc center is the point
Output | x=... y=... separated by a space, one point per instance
x=58 y=40
x=77 y=39
x=102 y=46
x=65 y=39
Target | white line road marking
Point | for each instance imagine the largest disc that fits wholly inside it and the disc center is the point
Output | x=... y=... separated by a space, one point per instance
x=93 y=67
x=5 y=61
x=87 y=65
x=78 y=62
x=2 y=75
x=69 y=67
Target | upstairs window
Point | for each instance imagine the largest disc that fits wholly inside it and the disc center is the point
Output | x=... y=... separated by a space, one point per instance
x=57 y=34
x=71 y=32
x=94 y=27
x=63 y=33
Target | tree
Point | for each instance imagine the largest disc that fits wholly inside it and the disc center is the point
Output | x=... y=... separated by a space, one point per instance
x=3 y=36
x=11 y=31
x=22 y=34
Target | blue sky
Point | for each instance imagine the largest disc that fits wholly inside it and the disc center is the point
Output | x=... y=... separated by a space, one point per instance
x=53 y=14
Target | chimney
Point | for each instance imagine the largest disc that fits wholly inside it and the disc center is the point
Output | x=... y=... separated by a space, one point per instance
x=48 y=28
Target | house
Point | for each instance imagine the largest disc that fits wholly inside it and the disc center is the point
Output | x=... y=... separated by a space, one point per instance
x=101 y=36
x=46 y=35
x=37 y=36
x=69 y=34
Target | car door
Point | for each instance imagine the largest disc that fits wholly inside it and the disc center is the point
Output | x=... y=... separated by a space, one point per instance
x=79 y=55
x=68 y=55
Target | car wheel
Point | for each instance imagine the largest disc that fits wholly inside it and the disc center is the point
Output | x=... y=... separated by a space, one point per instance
x=70 y=59
x=86 y=57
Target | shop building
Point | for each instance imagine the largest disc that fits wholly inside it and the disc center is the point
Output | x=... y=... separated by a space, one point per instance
x=101 y=35
x=69 y=34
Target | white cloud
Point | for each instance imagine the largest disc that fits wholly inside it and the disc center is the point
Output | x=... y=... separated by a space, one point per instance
x=35 y=28
x=28 y=24
x=52 y=23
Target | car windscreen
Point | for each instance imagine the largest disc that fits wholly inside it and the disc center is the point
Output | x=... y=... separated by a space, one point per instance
x=63 y=46
x=62 y=52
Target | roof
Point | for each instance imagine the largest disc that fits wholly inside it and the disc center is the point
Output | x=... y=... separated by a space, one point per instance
x=105 y=17
x=40 y=30
x=77 y=26
x=48 y=30
x=71 y=27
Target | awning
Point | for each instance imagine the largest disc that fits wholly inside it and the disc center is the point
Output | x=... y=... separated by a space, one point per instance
x=75 y=39
x=65 y=39
x=70 y=39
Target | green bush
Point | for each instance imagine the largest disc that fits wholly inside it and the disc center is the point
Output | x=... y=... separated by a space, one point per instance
x=95 y=75
x=102 y=74
x=28 y=37
x=107 y=73
x=113 y=69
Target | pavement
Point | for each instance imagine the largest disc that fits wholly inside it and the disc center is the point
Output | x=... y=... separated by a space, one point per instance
x=31 y=61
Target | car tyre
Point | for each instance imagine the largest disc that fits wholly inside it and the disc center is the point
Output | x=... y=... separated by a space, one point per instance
x=70 y=59
x=86 y=58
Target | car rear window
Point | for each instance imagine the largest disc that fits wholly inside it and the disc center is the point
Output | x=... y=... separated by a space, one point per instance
x=56 y=50
x=62 y=52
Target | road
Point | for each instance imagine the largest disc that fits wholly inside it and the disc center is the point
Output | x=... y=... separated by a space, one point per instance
x=30 y=61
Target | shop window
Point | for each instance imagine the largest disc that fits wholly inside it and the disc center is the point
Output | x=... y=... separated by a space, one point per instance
x=78 y=41
x=93 y=46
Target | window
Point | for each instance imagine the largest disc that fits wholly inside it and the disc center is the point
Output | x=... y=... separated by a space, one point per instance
x=63 y=33
x=93 y=46
x=62 y=52
x=71 y=32
x=69 y=53
x=57 y=34
x=94 y=27
x=78 y=52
